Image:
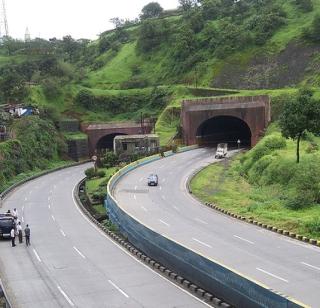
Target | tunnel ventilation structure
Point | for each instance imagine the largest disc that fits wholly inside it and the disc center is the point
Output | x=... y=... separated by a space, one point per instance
x=225 y=129
x=209 y=121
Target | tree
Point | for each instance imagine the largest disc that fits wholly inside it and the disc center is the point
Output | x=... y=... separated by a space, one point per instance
x=151 y=10
x=313 y=33
x=187 y=5
x=299 y=116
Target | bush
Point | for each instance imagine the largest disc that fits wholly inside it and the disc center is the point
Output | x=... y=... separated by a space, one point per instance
x=90 y=173
x=299 y=201
x=101 y=173
x=109 y=159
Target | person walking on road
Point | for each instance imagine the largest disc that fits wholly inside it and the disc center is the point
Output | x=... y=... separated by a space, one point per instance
x=19 y=229
x=27 y=234
x=13 y=237
x=15 y=213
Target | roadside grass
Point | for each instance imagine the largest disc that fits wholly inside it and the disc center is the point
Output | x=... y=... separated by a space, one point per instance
x=222 y=184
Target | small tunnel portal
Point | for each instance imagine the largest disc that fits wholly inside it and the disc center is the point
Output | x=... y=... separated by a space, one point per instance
x=106 y=143
x=223 y=129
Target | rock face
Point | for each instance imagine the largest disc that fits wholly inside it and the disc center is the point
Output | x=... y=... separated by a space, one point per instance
x=287 y=68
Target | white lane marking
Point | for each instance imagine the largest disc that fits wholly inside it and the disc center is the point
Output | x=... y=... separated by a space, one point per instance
x=201 y=221
x=62 y=233
x=129 y=254
x=65 y=296
x=121 y=291
x=144 y=208
x=36 y=254
x=49 y=206
x=316 y=249
x=163 y=197
x=22 y=219
x=202 y=243
x=160 y=187
x=30 y=192
x=54 y=186
x=177 y=209
x=53 y=218
x=272 y=275
x=135 y=188
x=141 y=180
x=25 y=199
x=165 y=223
x=243 y=239
x=163 y=180
x=134 y=197
x=79 y=252
x=49 y=198
x=312 y=266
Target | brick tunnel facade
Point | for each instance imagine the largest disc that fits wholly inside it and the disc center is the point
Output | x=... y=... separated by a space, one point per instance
x=98 y=133
x=226 y=119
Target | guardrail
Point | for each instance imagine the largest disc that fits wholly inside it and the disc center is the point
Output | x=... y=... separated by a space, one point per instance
x=209 y=274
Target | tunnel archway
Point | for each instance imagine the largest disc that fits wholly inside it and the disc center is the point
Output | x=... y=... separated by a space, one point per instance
x=224 y=129
x=106 y=142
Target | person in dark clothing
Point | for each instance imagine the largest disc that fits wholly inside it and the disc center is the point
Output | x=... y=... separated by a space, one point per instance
x=27 y=234
x=13 y=237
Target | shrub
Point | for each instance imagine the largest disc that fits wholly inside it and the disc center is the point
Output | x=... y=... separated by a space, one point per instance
x=101 y=173
x=109 y=159
x=299 y=201
x=90 y=173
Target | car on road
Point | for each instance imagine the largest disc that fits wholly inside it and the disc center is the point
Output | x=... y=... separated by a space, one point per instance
x=152 y=180
x=6 y=224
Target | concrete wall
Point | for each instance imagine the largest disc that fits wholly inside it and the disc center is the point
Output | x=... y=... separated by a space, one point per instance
x=254 y=110
x=208 y=274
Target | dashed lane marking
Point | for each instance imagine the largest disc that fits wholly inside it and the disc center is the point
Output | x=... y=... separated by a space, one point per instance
x=201 y=221
x=79 y=252
x=243 y=239
x=63 y=234
x=163 y=222
x=36 y=254
x=116 y=287
x=53 y=218
x=65 y=296
x=272 y=275
x=312 y=266
x=202 y=243
x=144 y=208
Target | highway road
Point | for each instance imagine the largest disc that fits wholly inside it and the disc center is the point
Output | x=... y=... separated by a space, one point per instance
x=70 y=262
x=283 y=264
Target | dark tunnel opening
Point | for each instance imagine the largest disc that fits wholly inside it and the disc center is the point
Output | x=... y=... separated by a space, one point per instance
x=106 y=143
x=226 y=129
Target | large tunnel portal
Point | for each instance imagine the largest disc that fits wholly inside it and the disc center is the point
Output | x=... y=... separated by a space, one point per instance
x=226 y=129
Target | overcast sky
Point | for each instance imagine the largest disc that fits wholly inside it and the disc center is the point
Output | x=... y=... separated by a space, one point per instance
x=79 y=18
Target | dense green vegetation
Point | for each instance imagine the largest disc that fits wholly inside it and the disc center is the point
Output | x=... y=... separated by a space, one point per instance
x=36 y=146
x=148 y=65
x=267 y=185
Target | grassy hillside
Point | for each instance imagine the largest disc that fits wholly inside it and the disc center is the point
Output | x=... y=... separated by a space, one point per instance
x=249 y=46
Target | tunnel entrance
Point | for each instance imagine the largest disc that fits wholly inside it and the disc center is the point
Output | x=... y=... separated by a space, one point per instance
x=224 y=129
x=106 y=143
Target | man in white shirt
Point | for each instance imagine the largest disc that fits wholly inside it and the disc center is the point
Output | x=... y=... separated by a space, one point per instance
x=15 y=213
x=19 y=229
x=13 y=237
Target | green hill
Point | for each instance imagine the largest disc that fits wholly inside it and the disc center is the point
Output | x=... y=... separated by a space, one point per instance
x=254 y=47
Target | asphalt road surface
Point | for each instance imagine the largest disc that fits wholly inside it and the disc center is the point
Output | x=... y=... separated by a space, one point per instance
x=70 y=262
x=283 y=264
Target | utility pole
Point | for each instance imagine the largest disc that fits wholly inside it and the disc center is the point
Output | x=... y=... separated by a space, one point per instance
x=4 y=29
x=27 y=36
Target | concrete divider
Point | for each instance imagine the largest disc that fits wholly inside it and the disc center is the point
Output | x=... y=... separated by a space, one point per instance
x=209 y=274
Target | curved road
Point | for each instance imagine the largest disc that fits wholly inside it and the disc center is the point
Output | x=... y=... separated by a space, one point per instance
x=70 y=262
x=288 y=266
